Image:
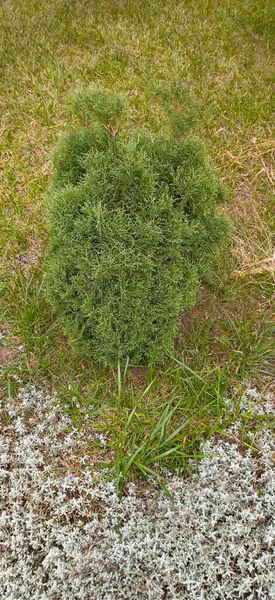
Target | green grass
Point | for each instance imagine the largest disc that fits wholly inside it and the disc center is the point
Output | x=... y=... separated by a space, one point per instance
x=223 y=52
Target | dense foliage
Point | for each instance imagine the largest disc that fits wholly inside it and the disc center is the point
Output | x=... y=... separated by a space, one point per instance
x=134 y=230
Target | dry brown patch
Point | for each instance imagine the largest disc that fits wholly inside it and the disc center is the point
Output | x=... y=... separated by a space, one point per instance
x=31 y=256
x=253 y=247
x=8 y=355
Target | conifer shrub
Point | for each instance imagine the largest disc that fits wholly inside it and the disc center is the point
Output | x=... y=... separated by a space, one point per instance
x=134 y=230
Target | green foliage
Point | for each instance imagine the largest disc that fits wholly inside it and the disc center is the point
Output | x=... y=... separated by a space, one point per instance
x=98 y=104
x=134 y=229
x=181 y=111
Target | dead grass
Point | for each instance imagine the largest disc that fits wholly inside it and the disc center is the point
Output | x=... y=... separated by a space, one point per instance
x=253 y=247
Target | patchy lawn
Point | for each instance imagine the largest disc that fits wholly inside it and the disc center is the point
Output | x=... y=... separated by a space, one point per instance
x=223 y=53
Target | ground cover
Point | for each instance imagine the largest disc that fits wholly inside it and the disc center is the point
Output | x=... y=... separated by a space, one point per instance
x=66 y=534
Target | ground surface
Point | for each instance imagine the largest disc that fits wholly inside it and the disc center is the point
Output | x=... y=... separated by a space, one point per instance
x=66 y=535
x=133 y=419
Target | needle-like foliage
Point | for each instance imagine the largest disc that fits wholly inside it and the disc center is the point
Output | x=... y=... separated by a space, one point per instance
x=134 y=230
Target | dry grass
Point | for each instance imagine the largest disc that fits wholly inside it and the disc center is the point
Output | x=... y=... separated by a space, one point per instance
x=253 y=247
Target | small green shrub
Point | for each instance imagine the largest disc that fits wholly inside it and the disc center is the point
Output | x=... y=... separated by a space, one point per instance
x=134 y=230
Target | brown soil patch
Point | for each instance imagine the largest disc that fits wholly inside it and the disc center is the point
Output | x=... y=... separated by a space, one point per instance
x=31 y=256
x=7 y=355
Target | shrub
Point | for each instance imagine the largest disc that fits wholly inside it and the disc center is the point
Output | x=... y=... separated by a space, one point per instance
x=134 y=230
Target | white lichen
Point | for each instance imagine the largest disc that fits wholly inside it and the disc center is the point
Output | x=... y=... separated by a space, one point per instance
x=64 y=534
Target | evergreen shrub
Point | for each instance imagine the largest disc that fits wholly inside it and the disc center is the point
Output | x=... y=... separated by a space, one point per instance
x=134 y=230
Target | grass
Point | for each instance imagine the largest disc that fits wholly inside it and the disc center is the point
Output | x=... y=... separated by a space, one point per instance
x=223 y=54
